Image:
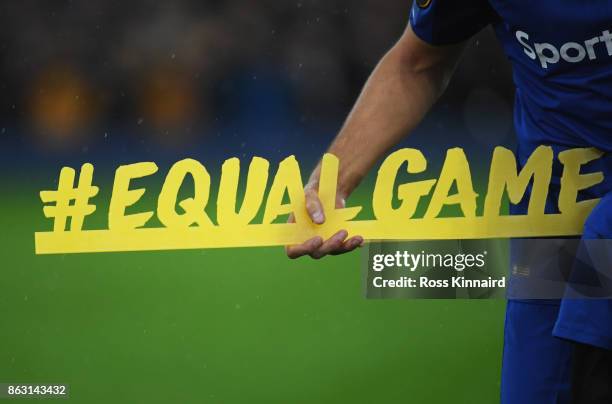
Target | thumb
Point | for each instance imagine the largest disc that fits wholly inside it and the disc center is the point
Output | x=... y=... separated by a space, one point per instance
x=314 y=206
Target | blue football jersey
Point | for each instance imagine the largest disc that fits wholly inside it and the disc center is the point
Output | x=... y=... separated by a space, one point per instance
x=561 y=53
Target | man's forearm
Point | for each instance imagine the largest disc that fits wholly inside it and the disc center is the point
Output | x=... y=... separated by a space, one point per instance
x=398 y=94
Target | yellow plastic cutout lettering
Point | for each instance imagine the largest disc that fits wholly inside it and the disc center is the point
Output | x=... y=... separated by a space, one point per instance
x=185 y=223
x=124 y=197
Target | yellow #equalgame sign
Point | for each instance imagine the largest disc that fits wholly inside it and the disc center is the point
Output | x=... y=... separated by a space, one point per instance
x=192 y=228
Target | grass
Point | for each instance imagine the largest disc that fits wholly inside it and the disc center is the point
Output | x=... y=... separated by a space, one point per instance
x=229 y=326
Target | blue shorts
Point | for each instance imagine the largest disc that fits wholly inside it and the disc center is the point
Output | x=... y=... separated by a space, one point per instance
x=537 y=365
x=589 y=321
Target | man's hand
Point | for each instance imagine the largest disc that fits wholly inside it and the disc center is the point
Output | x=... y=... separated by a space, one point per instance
x=316 y=247
x=398 y=94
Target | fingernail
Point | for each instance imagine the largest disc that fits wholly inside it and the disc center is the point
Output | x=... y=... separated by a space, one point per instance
x=342 y=235
x=318 y=217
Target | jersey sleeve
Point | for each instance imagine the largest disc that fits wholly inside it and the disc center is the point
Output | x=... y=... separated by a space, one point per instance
x=445 y=22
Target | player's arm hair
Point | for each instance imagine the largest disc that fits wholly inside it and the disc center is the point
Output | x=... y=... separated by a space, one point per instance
x=396 y=97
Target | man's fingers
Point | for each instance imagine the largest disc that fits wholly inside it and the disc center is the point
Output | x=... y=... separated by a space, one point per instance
x=349 y=245
x=317 y=248
x=314 y=207
x=334 y=243
x=296 y=251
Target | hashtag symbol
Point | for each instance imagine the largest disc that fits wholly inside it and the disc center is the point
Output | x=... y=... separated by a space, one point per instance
x=68 y=201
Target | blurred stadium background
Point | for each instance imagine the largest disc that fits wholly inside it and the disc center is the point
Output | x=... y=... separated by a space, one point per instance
x=112 y=82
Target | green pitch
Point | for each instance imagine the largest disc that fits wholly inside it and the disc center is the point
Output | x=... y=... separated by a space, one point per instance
x=229 y=326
